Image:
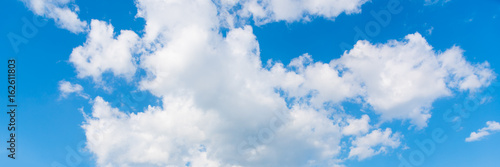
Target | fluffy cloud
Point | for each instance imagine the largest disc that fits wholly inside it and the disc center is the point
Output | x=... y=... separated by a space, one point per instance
x=102 y=52
x=221 y=107
x=180 y=133
x=464 y=75
x=491 y=126
x=264 y=11
x=364 y=147
x=62 y=11
x=318 y=83
x=227 y=102
x=357 y=126
x=159 y=137
x=401 y=79
x=66 y=88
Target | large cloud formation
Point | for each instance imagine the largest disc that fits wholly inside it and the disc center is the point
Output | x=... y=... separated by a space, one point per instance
x=222 y=107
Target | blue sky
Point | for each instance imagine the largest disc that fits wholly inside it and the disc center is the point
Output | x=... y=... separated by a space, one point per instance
x=50 y=121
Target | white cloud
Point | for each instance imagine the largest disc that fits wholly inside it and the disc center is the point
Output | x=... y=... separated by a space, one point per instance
x=179 y=132
x=163 y=23
x=264 y=11
x=433 y=2
x=376 y=142
x=221 y=107
x=429 y=31
x=463 y=74
x=66 y=88
x=320 y=80
x=401 y=79
x=159 y=137
x=219 y=90
x=491 y=127
x=62 y=11
x=357 y=126
x=216 y=96
x=102 y=52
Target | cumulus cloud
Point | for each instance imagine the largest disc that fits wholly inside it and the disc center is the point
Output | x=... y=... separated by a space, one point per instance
x=398 y=79
x=103 y=52
x=401 y=79
x=263 y=11
x=215 y=88
x=357 y=126
x=228 y=102
x=491 y=127
x=376 y=142
x=318 y=83
x=221 y=107
x=158 y=137
x=64 y=13
x=179 y=132
x=66 y=88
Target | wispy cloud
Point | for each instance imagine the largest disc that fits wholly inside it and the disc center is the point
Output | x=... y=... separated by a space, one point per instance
x=67 y=88
x=64 y=13
x=491 y=127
